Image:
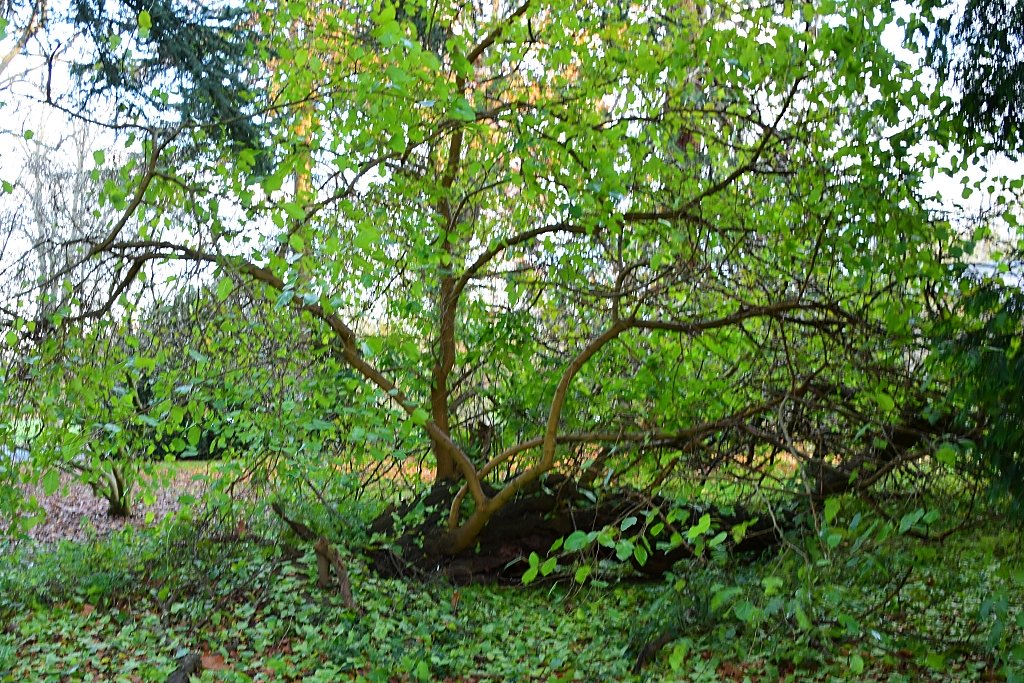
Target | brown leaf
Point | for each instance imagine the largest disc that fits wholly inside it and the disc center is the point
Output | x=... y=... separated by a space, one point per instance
x=87 y=609
x=214 y=662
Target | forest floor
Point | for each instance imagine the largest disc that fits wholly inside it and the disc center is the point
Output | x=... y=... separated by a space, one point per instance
x=856 y=599
x=74 y=513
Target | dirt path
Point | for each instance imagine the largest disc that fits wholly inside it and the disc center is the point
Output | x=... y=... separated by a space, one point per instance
x=74 y=512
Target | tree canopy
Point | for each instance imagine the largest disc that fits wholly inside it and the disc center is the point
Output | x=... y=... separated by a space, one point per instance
x=614 y=244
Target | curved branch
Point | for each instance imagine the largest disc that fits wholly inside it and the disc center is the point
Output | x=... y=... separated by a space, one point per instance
x=478 y=519
x=769 y=133
x=461 y=537
x=653 y=439
x=349 y=347
x=35 y=22
x=495 y=33
x=484 y=258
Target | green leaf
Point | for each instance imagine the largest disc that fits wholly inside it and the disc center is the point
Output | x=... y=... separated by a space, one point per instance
x=11 y=338
x=29 y=134
x=576 y=541
x=51 y=482
x=420 y=416
x=530 y=574
x=677 y=657
x=746 y=612
x=582 y=573
x=176 y=415
x=885 y=401
x=724 y=596
x=145 y=24
x=411 y=349
x=462 y=110
x=274 y=182
x=396 y=143
x=831 y=510
x=284 y=298
x=856 y=664
x=386 y=15
x=224 y=288
x=739 y=531
x=294 y=211
x=946 y=454
x=463 y=67
x=367 y=237
x=99 y=157
x=701 y=527
x=771 y=585
x=910 y=519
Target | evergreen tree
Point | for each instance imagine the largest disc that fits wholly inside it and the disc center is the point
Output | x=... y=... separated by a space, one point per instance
x=981 y=50
x=198 y=55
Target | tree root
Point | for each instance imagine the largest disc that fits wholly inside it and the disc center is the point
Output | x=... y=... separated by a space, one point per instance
x=538 y=517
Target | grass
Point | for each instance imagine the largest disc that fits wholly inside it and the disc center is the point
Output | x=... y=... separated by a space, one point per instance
x=853 y=600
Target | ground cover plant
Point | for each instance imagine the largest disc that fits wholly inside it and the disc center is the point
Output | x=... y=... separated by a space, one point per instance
x=490 y=320
x=877 y=604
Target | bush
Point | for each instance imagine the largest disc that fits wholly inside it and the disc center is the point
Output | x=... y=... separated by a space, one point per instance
x=982 y=352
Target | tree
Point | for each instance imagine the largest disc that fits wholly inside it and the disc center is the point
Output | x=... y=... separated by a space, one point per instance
x=977 y=341
x=196 y=56
x=615 y=243
x=22 y=21
x=981 y=46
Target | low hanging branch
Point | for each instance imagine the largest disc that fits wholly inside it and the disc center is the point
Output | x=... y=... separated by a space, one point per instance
x=328 y=559
x=329 y=565
x=461 y=536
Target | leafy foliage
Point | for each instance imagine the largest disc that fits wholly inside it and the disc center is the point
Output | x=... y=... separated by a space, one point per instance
x=980 y=47
x=634 y=245
x=984 y=350
x=195 y=54
x=875 y=604
x=547 y=258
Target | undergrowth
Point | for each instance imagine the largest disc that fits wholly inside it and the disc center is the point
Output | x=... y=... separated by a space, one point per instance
x=854 y=597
